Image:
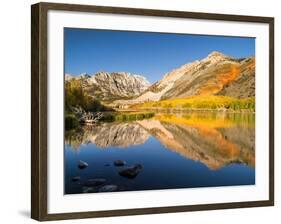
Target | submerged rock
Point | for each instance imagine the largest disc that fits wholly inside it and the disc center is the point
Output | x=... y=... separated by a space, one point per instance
x=82 y=164
x=75 y=179
x=131 y=172
x=88 y=190
x=119 y=163
x=108 y=188
x=95 y=182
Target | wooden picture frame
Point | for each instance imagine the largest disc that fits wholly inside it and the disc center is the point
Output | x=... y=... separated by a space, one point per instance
x=39 y=108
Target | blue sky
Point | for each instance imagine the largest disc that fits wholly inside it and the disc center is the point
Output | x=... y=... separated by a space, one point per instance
x=148 y=54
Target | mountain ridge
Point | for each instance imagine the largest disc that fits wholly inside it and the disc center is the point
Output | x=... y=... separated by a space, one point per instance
x=212 y=75
x=107 y=86
x=216 y=74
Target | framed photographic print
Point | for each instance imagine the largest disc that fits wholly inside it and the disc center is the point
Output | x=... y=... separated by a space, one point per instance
x=139 y=111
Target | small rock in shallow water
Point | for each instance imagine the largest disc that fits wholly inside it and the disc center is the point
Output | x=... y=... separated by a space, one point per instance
x=108 y=188
x=95 y=182
x=82 y=164
x=88 y=190
x=107 y=164
x=131 y=172
x=74 y=179
x=119 y=162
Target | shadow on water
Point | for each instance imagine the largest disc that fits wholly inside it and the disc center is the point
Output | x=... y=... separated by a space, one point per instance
x=217 y=146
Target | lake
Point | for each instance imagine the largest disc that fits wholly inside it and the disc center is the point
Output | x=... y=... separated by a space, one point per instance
x=168 y=151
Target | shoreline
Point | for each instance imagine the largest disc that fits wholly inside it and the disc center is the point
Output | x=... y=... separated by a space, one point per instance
x=188 y=110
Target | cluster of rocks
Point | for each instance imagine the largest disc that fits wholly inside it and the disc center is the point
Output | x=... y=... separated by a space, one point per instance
x=99 y=184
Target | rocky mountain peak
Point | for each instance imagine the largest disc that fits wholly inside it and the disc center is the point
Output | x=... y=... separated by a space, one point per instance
x=122 y=78
x=108 y=86
x=216 y=54
x=84 y=76
x=215 y=57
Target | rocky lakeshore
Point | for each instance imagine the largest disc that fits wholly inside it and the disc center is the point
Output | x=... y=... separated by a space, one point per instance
x=95 y=185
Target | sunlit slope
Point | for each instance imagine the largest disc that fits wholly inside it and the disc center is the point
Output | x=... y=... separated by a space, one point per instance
x=226 y=77
x=201 y=102
x=244 y=85
x=222 y=76
x=204 y=81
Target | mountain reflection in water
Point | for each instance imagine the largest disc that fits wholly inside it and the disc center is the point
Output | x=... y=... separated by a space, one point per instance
x=213 y=139
x=170 y=148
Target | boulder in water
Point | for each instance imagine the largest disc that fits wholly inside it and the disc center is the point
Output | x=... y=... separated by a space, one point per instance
x=131 y=172
x=108 y=188
x=82 y=164
x=88 y=190
x=95 y=182
x=119 y=163
x=75 y=179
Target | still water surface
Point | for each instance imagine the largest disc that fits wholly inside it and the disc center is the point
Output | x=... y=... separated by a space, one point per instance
x=166 y=152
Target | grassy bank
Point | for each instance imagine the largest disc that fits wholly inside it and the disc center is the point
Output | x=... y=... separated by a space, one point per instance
x=202 y=103
x=72 y=122
x=126 y=116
